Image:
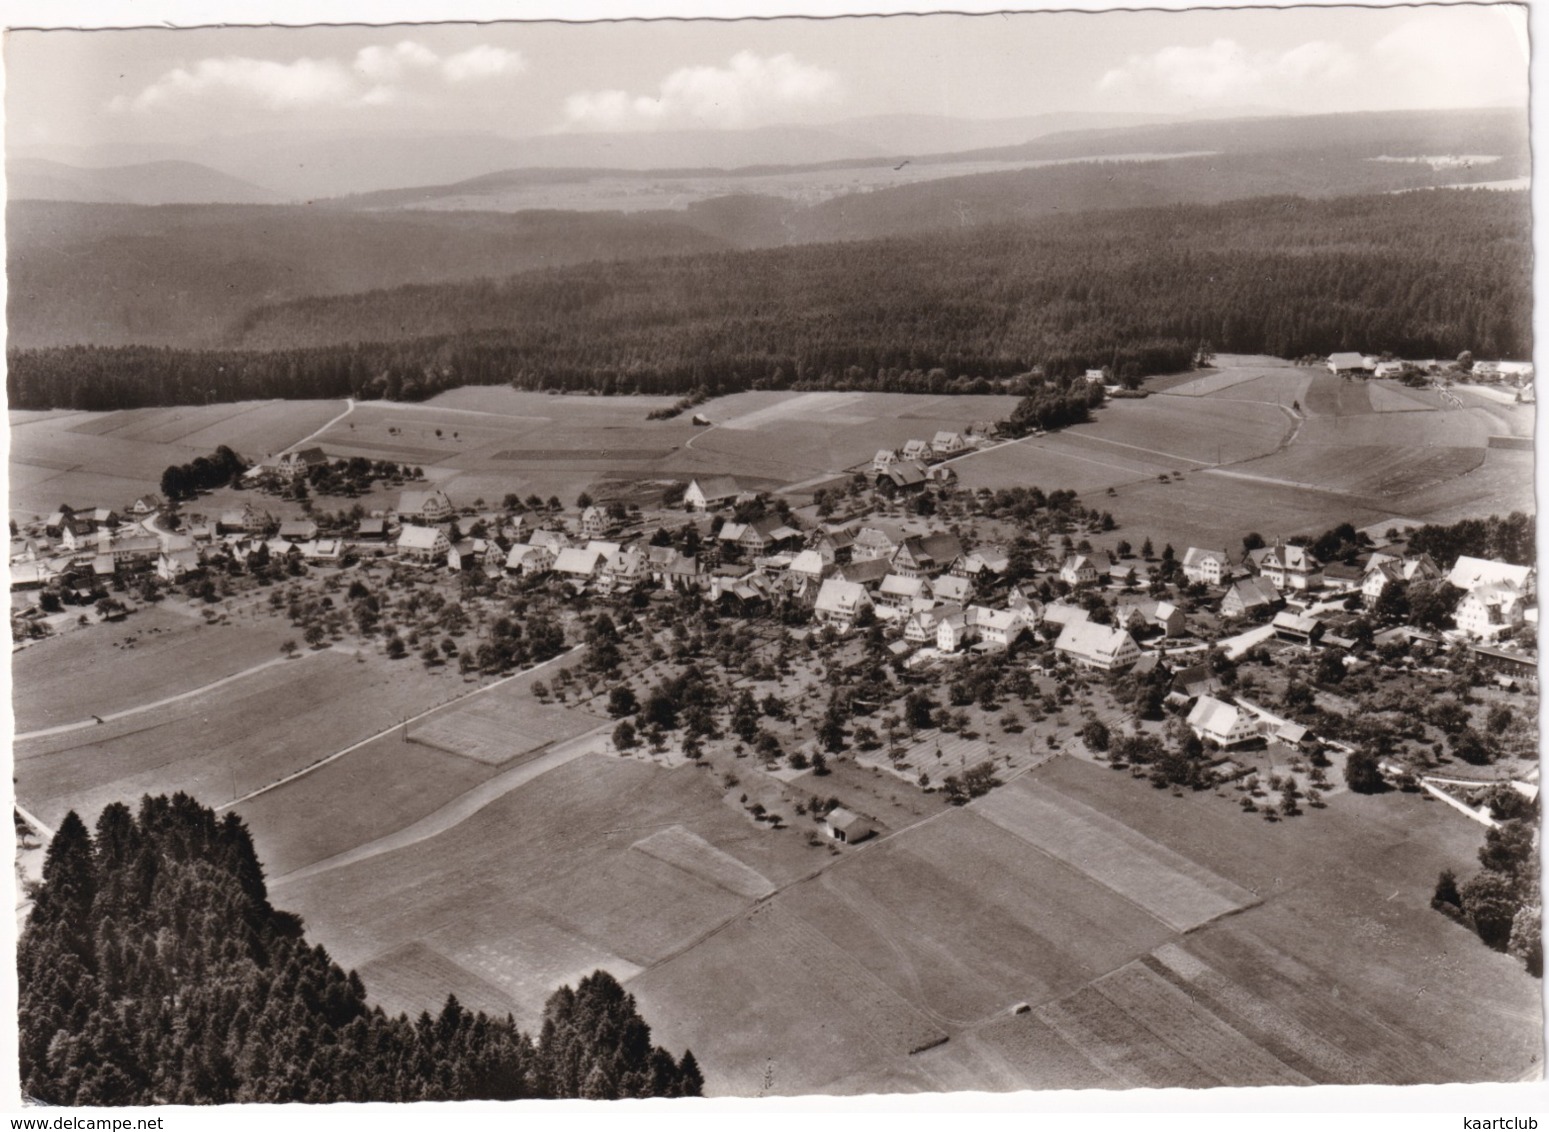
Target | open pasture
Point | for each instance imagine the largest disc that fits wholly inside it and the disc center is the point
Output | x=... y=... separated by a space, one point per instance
x=964 y=919
x=1283 y=387
x=770 y=1004
x=1166 y=884
x=224 y=743
x=504 y=723
x=112 y=666
x=678 y=847
x=1367 y=470
x=545 y=882
x=1206 y=384
x=369 y=793
x=1391 y=397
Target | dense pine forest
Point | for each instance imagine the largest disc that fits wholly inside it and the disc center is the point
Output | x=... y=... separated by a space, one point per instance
x=1423 y=274
x=153 y=970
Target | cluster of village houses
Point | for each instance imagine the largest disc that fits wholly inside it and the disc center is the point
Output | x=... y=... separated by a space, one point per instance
x=937 y=597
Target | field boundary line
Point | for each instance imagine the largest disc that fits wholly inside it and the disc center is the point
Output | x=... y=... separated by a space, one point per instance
x=110 y=717
x=452 y=814
x=402 y=723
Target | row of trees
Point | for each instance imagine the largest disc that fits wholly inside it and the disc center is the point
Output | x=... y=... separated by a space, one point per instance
x=154 y=970
x=203 y=473
x=1422 y=274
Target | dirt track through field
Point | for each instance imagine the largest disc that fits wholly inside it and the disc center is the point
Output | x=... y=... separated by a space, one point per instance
x=98 y=720
x=306 y=770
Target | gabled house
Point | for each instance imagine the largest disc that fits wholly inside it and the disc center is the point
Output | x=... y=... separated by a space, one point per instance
x=981 y=564
x=423 y=544
x=1289 y=568
x=1209 y=567
x=839 y=603
x=926 y=555
x=424 y=506
x=876 y=541
x=922 y=625
x=947 y=443
x=711 y=493
x=1085 y=569
x=1489 y=610
x=897 y=593
x=1350 y=363
x=1297 y=628
x=1222 y=723
x=594 y=522
x=526 y=559
x=1469 y=572
x=951 y=587
x=997 y=628
x=145 y=505
x=372 y=529
x=916 y=450
x=1250 y=595
x=835 y=546
x=848 y=827
x=953 y=632
x=768 y=535
x=1063 y=613
x=902 y=476
x=298 y=530
x=1143 y=615
x=296 y=465
x=240 y=521
x=132 y=551
x=864 y=571
x=883 y=460
x=578 y=563
x=1102 y=647
x=809 y=566
x=555 y=541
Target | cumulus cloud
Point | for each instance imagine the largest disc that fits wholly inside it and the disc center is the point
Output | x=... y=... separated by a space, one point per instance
x=1225 y=72
x=376 y=76
x=749 y=90
x=1464 y=57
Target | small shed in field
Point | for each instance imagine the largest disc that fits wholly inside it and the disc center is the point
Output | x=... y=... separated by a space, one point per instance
x=843 y=825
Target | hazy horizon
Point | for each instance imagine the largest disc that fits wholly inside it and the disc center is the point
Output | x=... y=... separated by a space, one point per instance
x=73 y=89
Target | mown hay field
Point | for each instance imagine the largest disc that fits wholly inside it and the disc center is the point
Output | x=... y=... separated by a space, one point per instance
x=222 y=744
x=112 y=666
x=546 y=882
x=502 y=724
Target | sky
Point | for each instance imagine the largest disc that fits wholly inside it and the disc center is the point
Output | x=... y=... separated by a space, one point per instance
x=74 y=88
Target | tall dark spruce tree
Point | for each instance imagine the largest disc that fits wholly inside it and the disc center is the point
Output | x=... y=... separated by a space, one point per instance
x=153 y=970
